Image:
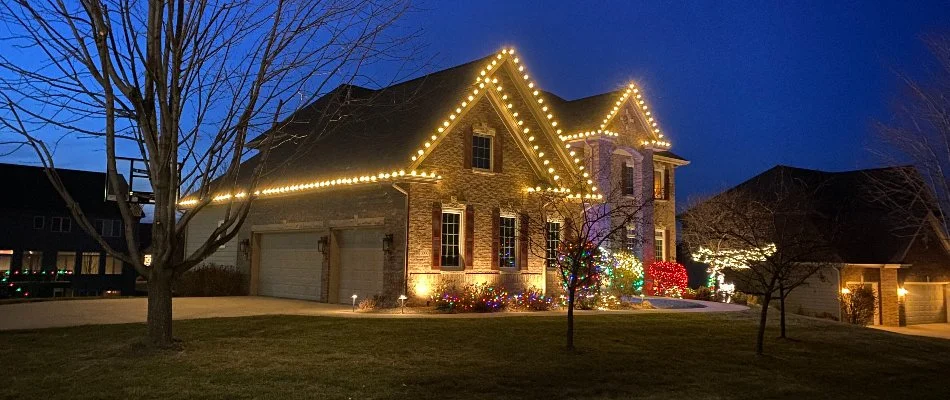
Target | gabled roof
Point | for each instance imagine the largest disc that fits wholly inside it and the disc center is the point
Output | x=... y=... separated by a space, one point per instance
x=866 y=230
x=354 y=134
x=28 y=188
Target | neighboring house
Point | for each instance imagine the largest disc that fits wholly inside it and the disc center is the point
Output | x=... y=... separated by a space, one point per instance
x=428 y=182
x=903 y=254
x=38 y=234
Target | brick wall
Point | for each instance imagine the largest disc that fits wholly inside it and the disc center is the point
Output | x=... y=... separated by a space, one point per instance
x=890 y=306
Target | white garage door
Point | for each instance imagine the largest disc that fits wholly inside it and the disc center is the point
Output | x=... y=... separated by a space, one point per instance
x=925 y=304
x=290 y=265
x=361 y=264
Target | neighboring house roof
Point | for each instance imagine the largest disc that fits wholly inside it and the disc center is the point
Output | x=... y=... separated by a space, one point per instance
x=866 y=230
x=28 y=188
x=353 y=131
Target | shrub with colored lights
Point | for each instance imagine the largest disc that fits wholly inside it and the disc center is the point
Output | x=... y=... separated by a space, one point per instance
x=622 y=273
x=32 y=283
x=668 y=279
x=481 y=297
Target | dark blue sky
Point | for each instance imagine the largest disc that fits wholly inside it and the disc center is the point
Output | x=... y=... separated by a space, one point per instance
x=737 y=86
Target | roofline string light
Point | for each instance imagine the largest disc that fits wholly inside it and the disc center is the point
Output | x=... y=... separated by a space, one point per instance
x=634 y=93
x=584 y=135
x=395 y=175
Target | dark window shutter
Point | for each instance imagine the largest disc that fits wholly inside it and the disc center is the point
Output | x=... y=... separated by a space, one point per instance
x=625 y=179
x=567 y=231
x=436 y=235
x=469 y=236
x=497 y=150
x=468 y=149
x=666 y=183
x=496 y=236
x=523 y=242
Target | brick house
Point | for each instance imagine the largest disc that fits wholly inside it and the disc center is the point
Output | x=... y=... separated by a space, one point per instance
x=430 y=181
x=902 y=255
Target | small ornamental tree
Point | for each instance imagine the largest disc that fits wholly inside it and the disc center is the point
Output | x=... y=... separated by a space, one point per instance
x=857 y=304
x=668 y=279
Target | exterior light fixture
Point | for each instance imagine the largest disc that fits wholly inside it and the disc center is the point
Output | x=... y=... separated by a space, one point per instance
x=388 y=243
x=845 y=290
x=245 y=247
x=402 y=299
x=901 y=292
x=354 y=302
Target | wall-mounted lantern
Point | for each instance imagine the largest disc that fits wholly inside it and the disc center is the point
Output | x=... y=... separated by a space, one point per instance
x=388 y=243
x=323 y=244
x=245 y=247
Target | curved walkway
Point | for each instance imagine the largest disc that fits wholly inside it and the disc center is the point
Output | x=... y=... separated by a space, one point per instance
x=50 y=314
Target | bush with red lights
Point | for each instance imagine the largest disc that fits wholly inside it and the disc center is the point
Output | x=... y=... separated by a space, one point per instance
x=666 y=278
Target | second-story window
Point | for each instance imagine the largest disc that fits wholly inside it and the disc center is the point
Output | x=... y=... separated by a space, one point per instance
x=660 y=189
x=39 y=222
x=60 y=224
x=627 y=180
x=110 y=227
x=481 y=152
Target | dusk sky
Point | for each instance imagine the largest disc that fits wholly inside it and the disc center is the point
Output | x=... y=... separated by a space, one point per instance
x=737 y=86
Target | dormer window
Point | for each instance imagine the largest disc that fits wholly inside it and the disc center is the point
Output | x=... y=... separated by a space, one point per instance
x=482 y=152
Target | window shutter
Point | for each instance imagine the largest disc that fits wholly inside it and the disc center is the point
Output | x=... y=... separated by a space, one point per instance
x=468 y=149
x=497 y=161
x=436 y=235
x=469 y=236
x=496 y=237
x=567 y=230
x=625 y=179
x=666 y=183
x=524 y=231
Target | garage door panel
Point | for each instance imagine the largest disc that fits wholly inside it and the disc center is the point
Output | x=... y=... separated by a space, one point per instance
x=290 y=265
x=925 y=304
x=361 y=264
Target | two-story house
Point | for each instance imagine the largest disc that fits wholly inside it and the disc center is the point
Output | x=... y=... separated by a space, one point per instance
x=39 y=236
x=431 y=181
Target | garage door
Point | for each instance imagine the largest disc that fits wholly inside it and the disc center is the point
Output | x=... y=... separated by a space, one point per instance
x=925 y=304
x=290 y=265
x=361 y=264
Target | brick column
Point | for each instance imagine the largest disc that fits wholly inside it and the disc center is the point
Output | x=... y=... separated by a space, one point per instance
x=890 y=304
x=602 y=171
x=646 y=226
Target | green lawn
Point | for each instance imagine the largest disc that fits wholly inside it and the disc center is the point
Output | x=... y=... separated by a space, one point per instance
x=659 y=356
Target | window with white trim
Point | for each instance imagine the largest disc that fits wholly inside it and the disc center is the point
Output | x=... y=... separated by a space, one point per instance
x=110 y=227
x=659 y=245
x=660 y=191
x=451 y=238
x=66 y=260
x=61 y=224
x=553 y=241
x=630 y=238
x=6 y=260
x=628 y=180
x=32 y=260
x=113 y=265
x=507 y=247
x=39 y=222
x=481 y=152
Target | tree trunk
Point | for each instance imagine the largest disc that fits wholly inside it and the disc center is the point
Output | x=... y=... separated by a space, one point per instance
x=781 y=299
x=570 y=317
x=763 y=318
x=159 y=320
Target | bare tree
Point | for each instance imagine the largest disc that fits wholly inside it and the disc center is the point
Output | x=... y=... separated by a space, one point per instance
x=767 y=239
x=918 y=136
x=182 y=85
x=588 y=222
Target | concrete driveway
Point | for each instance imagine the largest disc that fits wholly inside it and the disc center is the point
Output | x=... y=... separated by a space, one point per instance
x=941 y=331
x=50 y=314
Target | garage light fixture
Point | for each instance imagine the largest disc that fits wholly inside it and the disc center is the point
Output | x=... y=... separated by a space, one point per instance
x=901 y=292
x=388 y=243
x=322 y=244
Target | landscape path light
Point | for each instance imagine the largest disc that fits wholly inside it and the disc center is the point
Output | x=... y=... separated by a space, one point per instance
x=402 y=299
x=354 y=302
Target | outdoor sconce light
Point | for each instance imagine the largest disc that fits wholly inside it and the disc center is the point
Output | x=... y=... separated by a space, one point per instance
x=322 y=244
x=845 y=290
x=245 y=247
x=901 y=292
x=388 y=243
x=402 y=299
x=354 y=302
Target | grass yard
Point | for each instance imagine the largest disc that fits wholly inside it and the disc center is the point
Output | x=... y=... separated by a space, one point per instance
x=656 y=356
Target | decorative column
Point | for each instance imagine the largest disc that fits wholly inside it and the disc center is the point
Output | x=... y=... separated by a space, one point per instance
x=890 y=303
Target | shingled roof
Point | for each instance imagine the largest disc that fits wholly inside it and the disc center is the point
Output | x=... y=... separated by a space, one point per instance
x=354 y=130
x=866 y=229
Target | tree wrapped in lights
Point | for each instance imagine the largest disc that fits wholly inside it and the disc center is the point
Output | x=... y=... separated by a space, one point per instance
x=668 y=279
x=767 y=234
